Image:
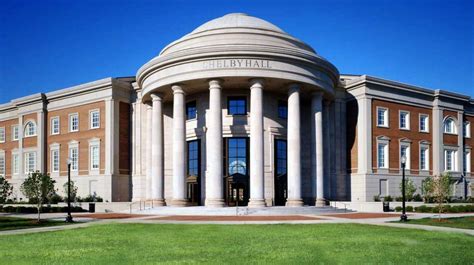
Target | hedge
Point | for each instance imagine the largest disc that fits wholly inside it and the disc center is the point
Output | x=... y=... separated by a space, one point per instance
x=446 y=209
x=23 y=209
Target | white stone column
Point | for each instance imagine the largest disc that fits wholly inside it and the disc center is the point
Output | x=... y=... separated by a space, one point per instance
x=214 y=152
x=179 y=147
x=149 y=114
x=157 y=170
x=438 y=157
x=294 y=147
x=256 y=144
x=317 y=122
x=40 y=140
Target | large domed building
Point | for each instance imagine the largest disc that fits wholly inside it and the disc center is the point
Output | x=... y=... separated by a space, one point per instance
x=235 y=113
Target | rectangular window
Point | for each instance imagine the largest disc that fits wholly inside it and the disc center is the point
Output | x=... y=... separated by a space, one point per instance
x=2 y=134
x=467 y=129
x=467 y=161
x=383 y=187
x=55 y=160
x=405 y=152
x=191 y=110
x=237 y=156
x=449 y=160
x=74 y=122
x=382 y=155
x=74 y=156
x=424 y=158
x=193 y=158
x=94 y=119
x=424 y=127
x=382 y=117
x=55 y=125
x=30 y=162
x=281 y=157
x=2 y=164
x=282 y=109
x=16 y=164
x=404 y=120
x=95 y=157
x=237 y=106
x=15 y=133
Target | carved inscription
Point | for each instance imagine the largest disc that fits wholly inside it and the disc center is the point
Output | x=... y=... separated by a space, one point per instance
x=236 y=63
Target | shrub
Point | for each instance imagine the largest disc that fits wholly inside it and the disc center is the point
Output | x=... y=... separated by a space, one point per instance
x=92 y=198
x=5 y=189
x=55 y=199
x=73 y=191
x=399 y=199
x=398 y=208
x=409 y=208
x=417 y=198
x=376 y=198
x=423 y=209
x=388 y=198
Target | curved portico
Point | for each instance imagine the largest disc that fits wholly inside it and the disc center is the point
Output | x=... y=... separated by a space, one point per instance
x=245 y=56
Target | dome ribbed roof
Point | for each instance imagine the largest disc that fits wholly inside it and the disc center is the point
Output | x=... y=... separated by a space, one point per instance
x=237 y=20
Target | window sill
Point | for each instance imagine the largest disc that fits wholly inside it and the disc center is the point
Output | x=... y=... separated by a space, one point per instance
x=383 y=126
x=424 y=131
x=404 y=129
x=448 y=133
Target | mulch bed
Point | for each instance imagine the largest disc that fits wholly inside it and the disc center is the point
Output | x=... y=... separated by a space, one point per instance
x=235 y=218
x=109 y=215
x=362 y=215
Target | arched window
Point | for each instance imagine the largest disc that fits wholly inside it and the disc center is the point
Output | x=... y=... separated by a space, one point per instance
x=30 y=129
x=449 y=125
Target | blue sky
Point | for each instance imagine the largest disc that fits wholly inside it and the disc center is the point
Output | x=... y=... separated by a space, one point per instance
x=48 y=45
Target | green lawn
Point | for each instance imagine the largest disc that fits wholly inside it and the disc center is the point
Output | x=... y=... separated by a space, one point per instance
x=237 y=244
x=466 y=222
x=12 y=223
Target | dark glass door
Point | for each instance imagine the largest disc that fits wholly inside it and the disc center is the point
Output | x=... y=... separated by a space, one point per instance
x=237 y=177
x=281 y=182
x=193 y=180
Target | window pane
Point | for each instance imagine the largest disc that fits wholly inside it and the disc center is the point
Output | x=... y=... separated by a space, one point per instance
x=237 y=160
x=237 y=106
x=191 y=110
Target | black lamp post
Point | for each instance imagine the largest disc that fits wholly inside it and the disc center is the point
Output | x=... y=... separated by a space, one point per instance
x=69 y=216
x=403 y=217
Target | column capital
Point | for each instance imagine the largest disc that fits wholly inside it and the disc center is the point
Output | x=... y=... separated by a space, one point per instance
x=156 y=96
x=177 y=89
x=294 y=87
x=215 y=83
x=256 y=83
x=148 y=105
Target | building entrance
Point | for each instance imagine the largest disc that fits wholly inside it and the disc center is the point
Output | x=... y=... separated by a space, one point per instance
x=280 y=180
x=236 y=184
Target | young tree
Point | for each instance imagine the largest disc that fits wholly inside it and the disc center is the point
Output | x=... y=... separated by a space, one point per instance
x=73 y=191
x=5 y=189
x=38 y=187
x=410 y=189
x=427 y=189
x=441 y=190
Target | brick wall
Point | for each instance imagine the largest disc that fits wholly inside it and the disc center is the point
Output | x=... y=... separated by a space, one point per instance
x=395 y=134
x=82 y=136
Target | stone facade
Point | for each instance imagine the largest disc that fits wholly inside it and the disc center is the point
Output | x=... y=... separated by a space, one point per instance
x=327 y=122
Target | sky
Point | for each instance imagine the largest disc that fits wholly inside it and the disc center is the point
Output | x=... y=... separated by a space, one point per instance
x=53 y=44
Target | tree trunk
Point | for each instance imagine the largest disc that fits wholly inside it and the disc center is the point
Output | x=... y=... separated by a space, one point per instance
x=39 y=213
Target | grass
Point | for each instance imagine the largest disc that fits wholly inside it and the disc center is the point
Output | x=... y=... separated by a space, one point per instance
x=12 y=223
x=237 y=244
x=466 y=222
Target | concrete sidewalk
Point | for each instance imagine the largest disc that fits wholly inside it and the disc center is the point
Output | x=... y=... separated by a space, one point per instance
x=342 y=218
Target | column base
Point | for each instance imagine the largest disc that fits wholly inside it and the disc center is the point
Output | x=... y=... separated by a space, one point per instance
x=294 y=203
x=158 y=202
x=178 y=203
x=257 y=203
x=214 y=203
x=320 y=202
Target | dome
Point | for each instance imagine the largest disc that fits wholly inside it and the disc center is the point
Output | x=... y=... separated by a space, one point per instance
x=237 y=20
x=237 y=47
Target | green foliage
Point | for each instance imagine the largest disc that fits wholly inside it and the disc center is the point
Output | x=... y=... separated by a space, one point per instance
x=398 y=208
x=55 y=199
x=441 y=189
x=410 y=189
x=417 y=198
x=38 y=187
x=5 y=189
x=388 y=198
x=376 y=198
x=427 y=189
x=90 y=198
x=409 y=208
x=73 y=191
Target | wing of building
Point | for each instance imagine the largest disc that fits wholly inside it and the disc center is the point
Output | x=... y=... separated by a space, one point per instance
x=238 y=112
